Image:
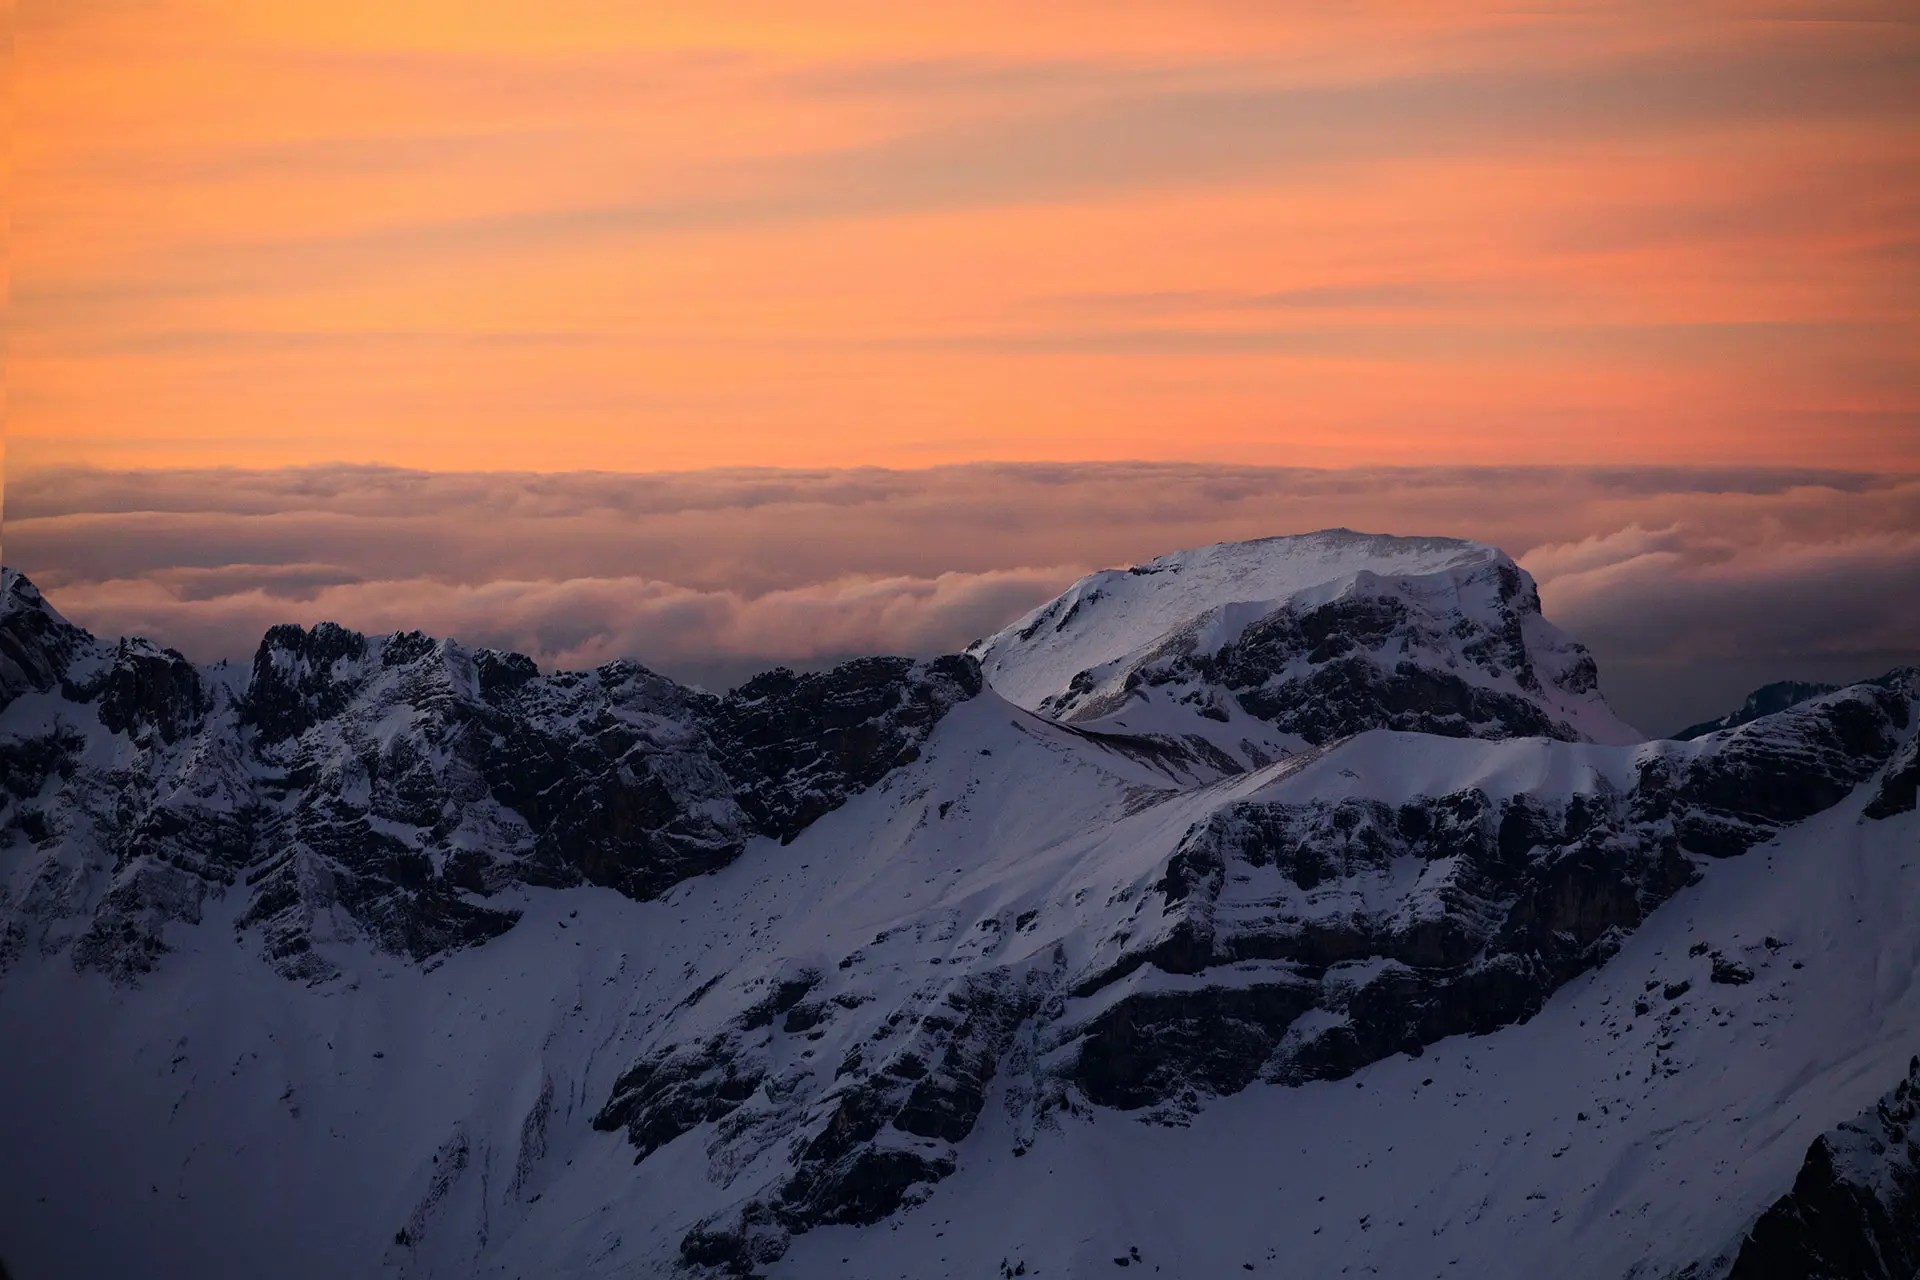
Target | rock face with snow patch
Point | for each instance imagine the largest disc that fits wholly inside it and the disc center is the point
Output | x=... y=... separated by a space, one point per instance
x=1281 y=937
x=1854 y=1211
x=1396 y=925
x=1899 y=784
x=385 y=788
x=855 y=1144
x=1315 y=637
x=36 y=644
x=799 y=745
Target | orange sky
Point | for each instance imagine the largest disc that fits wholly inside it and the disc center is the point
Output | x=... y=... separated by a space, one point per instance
x=465 y=233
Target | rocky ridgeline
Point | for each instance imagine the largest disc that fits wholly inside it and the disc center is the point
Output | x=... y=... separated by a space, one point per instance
x=1764 y=701
x=1312 y=670
x=386 y=787
x=1343 y=931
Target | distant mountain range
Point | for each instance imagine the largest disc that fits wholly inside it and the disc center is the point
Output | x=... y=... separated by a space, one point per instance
x=1290 y=907
x=1764 y=701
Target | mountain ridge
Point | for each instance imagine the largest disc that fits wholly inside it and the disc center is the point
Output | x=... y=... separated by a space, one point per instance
x=387 y=786
x=877 y=929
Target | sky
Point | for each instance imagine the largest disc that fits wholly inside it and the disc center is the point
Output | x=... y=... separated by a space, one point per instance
x=474 y=235
x=729 y=334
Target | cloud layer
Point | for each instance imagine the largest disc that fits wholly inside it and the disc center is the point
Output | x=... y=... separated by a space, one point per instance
x=1691 y=586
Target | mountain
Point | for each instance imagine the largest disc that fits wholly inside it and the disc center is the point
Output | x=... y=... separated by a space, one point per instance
x=1264 y=647
x=382 y=955
x=1764 y=701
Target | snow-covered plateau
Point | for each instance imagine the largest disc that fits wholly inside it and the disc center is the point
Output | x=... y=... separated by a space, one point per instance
x=1293 y=908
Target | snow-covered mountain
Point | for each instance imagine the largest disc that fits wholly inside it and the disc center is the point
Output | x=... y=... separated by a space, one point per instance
x=383 y=790
x=1264 y=647
x=383 y=955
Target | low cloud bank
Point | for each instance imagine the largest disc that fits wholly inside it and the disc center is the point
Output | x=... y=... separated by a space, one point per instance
x=1691 y=586
x=712 y=637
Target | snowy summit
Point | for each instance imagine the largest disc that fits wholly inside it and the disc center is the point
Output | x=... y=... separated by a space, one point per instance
x=1309 y=635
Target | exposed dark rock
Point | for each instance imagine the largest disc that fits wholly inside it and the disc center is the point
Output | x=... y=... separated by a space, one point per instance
x=1150 y=1048
x=1899 y=785
x=899 y=1106
x=800 y=744
x=1854 y=1211
x=392 y=783
x=1730 y=973
x=1777 y=771
x=302 y=677
x=1341 y=695
x=1350 y=688
x=36 y=643
x=738 y=1241
x=659 y=1099
x=149 y=689
x=1534 y=892
x=1369 y=658
x=1530 y=897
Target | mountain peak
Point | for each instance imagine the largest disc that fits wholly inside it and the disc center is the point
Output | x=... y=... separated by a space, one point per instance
x=37 y=645
x=1316 y=635
x=18 y=592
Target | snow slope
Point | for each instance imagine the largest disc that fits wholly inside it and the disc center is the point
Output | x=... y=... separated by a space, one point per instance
x=1592 y=1140
x=220 y=1119
x=293 y=1128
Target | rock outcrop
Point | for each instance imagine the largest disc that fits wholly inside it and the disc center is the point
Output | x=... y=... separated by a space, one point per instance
x=1764 y=701
x=1854 y=1211
x=1395 y=925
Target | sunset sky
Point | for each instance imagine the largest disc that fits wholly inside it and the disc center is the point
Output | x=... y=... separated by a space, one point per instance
x=578 y=234
x=727 y=334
